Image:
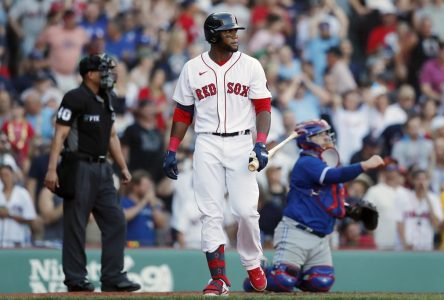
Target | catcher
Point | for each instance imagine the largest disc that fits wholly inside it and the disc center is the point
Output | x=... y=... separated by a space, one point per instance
x=316 y=199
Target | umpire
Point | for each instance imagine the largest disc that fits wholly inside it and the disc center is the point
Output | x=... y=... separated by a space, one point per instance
x=84 y=127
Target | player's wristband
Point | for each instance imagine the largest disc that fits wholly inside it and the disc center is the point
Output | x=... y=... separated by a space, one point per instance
x=174 y=143
x=261 y=137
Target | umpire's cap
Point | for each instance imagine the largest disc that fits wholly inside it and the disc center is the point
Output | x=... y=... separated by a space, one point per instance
x=95 y=62
x=217 y=22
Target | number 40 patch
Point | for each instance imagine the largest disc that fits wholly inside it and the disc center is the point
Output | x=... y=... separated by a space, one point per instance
x=64 y=114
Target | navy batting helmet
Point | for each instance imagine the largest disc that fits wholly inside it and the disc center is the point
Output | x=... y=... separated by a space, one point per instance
x=308 y=129
x=217 y=22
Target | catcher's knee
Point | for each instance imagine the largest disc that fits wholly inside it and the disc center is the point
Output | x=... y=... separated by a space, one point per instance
x=282 y=278
x=318 y=279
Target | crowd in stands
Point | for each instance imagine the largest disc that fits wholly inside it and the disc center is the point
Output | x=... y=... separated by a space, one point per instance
x=374 y=69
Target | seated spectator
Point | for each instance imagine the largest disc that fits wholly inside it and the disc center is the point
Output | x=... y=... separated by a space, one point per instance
x=143 y=211
x=17 y=211
x=352 y=237
x=418 y=215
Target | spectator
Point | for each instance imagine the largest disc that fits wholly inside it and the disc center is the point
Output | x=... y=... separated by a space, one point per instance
x=38 y=116
x=432 y=76
x=380 y=114
x=28 y=18
x=5 y=106
x=20 y=134
x=341 y=75
x=351 y=125
x=289 y=66
x=94 y=21
x=425 y=48
x=143 y=211
x=315 y=50
x=351 y=236
x=370 y=146
x=65 y=43
x=384 y=196
x=142 y=142
x=268 y=37
x=304 y=105
x=437 y=178
x=381 y=37
x=117 y=43
x=414 y=148
x=418 y=215
x=17 y=211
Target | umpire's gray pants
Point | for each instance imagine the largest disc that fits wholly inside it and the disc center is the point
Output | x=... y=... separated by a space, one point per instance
x=95 y=193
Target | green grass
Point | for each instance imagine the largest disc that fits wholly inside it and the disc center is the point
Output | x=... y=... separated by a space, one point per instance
x=239 y=296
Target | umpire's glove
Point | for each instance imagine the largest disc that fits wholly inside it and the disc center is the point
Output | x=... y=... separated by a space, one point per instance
x=261 y=154
x=170 y=165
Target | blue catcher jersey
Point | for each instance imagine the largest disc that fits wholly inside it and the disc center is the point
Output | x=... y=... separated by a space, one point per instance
x=309 y=201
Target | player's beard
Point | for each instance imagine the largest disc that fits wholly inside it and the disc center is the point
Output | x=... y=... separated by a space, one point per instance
x=229 y=48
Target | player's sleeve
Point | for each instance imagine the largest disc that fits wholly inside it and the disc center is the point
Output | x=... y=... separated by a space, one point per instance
x=341 y=174
x=183 y=93
x=70 y=108
x=258 y=82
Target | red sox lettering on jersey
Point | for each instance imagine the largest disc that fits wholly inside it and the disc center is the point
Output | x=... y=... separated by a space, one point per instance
x=210 y=90
x=222 y=94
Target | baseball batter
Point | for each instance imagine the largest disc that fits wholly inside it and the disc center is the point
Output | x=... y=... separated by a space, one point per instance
x=226 y=92
x=314 y=202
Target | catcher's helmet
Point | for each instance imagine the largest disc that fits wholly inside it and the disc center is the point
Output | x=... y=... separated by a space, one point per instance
x=217 y=22
x=308 y=129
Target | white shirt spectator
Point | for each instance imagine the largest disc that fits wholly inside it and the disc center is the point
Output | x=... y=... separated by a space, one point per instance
x=384 y=197
x=12 y=233
x=351 y=128
x=415 y=214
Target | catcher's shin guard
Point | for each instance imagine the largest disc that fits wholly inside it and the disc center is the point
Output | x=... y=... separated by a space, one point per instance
x=318 y=279
x=216 y=264
x=282 y=278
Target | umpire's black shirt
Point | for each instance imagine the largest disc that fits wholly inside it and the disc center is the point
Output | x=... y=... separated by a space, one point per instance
x=90 y=117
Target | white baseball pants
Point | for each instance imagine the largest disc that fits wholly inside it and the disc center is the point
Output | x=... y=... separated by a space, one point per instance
x=221 y=164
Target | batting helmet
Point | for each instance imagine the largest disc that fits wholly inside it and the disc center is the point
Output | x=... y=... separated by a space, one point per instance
x=308 y=129
x=217 y=22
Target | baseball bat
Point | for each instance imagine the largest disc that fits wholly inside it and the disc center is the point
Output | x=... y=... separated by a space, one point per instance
x=254 y=164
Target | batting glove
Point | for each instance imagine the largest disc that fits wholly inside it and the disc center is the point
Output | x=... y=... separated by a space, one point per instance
x=170 y=165
x=261 y=153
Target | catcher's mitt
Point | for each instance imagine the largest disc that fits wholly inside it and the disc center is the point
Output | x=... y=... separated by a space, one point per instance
x=363 y=211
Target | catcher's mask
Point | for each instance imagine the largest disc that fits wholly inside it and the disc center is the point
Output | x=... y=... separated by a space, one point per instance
x=307 y=130
x=217 y=22
x=102 y=63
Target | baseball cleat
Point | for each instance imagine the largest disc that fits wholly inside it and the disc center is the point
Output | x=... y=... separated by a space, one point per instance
x=258 y=280
x=216 y=287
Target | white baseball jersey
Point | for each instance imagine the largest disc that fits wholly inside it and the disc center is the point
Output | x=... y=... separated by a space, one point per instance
x=221 y=94
x=415 y=215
